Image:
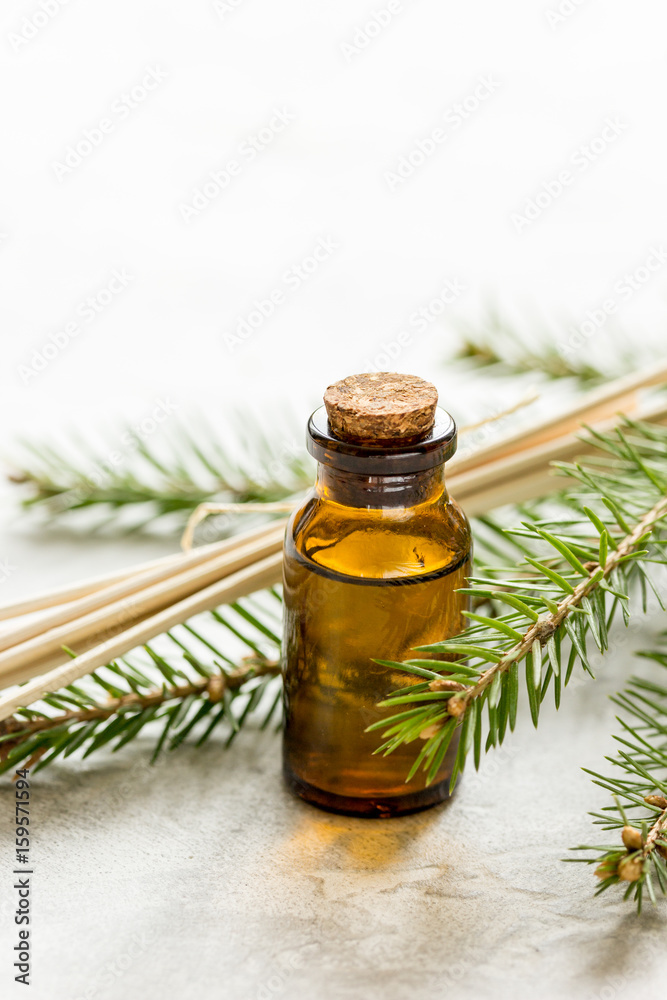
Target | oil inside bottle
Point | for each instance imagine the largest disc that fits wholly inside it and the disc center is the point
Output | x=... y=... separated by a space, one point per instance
x=362 y=584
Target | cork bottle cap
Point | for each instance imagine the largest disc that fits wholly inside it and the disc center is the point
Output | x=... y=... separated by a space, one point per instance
x=381 y=408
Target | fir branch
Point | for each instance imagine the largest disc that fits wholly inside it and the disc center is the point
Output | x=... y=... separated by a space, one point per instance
x=483 y=354
x=576 y=572
x=186 y=681
x=188 y=469
x=500 y=348
x=544 y=627
x=213 y=689
x=640 y=859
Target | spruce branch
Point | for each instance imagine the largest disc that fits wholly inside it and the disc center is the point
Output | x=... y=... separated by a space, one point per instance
x=500 y=348
x=545 y=626
x=187 y=680
x=639 y=860
x=576 y=571
x=213 y=689
x=154 y=480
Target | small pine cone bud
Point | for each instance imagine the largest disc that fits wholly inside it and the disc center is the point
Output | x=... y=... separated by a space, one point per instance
x=543 y=630
x=430 y=731
x=444 y=684
x=456 y=706
x=632 y=838
x=630 y=869
x=659 y=801
x=662 y=850
x=604 y=870
x=215 y=687
x=11 y=725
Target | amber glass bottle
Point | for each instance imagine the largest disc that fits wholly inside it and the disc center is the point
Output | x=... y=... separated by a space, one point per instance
x=373 y=561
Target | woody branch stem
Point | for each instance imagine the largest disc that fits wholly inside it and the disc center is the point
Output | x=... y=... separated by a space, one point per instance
x=213 y=687
x=656 y=833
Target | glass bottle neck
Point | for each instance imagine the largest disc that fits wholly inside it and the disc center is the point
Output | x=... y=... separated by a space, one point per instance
x=353 y=489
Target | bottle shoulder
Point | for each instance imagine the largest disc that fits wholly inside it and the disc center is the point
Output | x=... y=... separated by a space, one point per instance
x=380 y=542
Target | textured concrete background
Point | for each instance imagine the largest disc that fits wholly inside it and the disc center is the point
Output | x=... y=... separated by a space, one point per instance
x=202 y=877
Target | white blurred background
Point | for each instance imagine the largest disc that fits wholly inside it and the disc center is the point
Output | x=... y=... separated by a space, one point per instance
x=373 y=160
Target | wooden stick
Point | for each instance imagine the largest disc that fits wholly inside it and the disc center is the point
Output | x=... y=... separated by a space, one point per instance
x=528 y=473
x=599 y=404
x=149 y=599
x=262 y=574
x=75 y=591
x=129 y=585
x=40 y=666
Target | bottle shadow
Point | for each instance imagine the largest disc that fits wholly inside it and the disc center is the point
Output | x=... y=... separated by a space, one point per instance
x=350 y=854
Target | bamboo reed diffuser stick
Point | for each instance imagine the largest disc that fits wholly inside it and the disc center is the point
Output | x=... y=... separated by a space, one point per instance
x=262 y=574
x=81 y=589
x=37 y=667
x=595 y=406
x=123 y=589
x=124 y=610
x=528 y=473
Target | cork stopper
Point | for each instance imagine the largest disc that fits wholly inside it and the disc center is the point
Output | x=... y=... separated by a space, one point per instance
x=381 y=408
